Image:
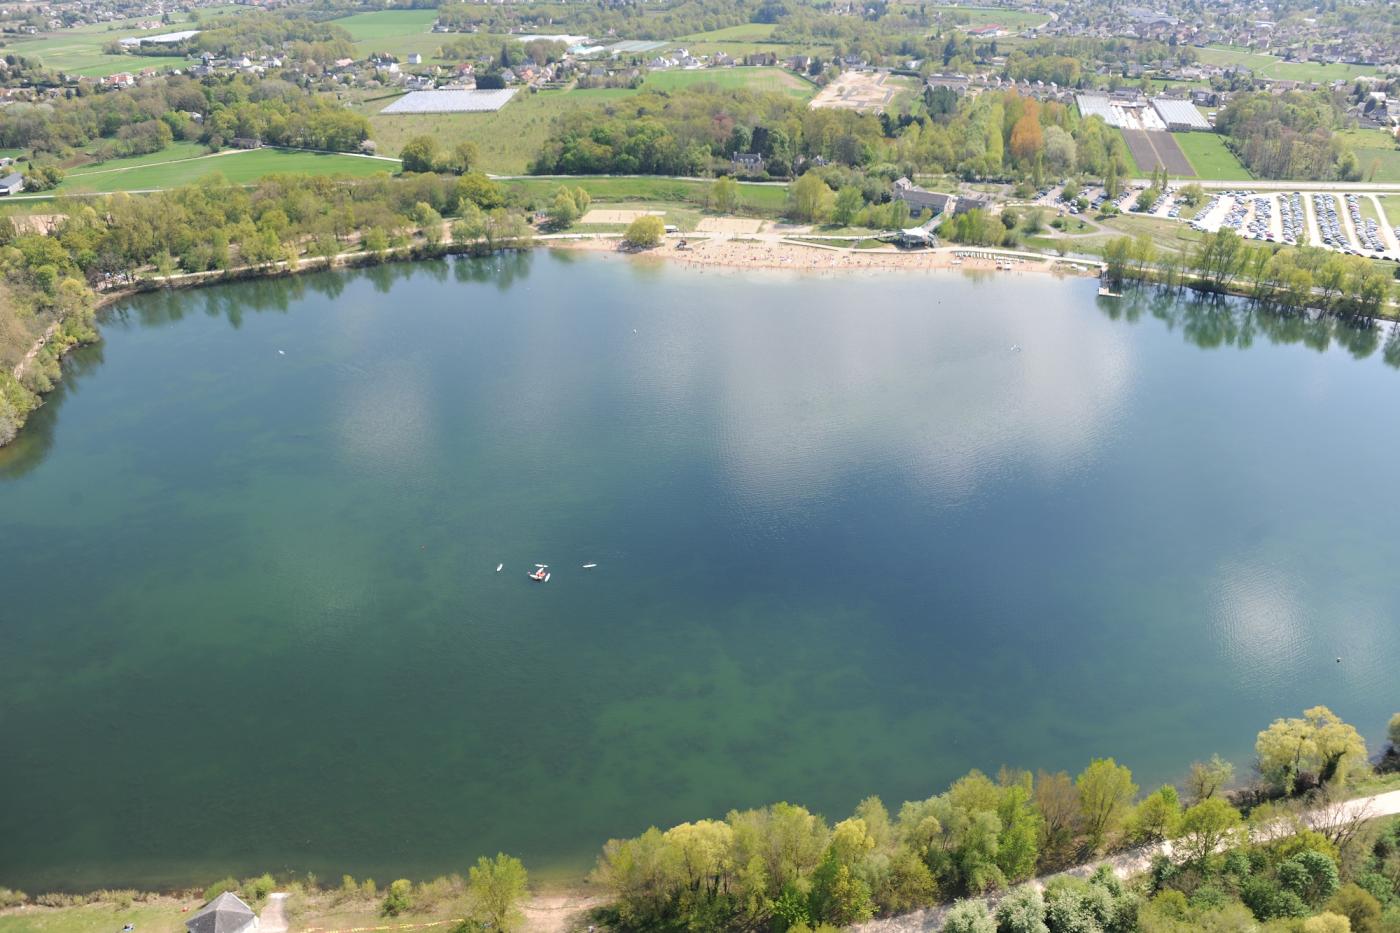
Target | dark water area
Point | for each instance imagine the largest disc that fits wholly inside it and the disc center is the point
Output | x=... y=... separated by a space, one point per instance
x=849 y=541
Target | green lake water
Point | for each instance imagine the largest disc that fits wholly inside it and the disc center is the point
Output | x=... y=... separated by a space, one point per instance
x=849 y=541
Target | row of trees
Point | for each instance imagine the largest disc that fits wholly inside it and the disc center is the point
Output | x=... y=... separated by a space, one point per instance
x=782 y=866
x=48 y=280
x=1289 y=277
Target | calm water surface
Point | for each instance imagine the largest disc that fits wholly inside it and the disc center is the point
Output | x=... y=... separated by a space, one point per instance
x=849 y=542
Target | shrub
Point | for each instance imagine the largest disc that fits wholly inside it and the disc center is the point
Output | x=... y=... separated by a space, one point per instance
x=1359 y=906
x=10 y=898
x=1267 y=901
x=257 y=889
x=1310 y=875
x=969 y=917
x=398 y=899
x=1022 y=911
x=1326 y=923
x=219 y=887
x=646 y=231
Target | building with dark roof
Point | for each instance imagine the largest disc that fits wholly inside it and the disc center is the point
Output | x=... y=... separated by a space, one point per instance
x=12 y=183
x=224 y=914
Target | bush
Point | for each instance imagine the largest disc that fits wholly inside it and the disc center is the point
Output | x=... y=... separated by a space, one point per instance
x=1359 y=906
x=644 y=232
x=398 y=899
x=1326 y=923
x=219 y=887
x=969 y=917
x=257 y=889
x=1022 y=911
x=10 y=898
x=1267 y=901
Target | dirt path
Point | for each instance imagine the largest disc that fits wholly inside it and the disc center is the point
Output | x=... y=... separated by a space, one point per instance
x=273 y=918
x=560 y=913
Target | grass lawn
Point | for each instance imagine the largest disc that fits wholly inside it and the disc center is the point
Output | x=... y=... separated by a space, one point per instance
x=1271 y=67
x=1377 y=153
x=1208 y=156
x=1166 y=234
x=507 y=139
x=161 y=916
x=755 y=199
x=747 y=32
x=398 y=32
x=754 y=79
x=1390 y=203
x=237 y=167
x=171 y=153
x=1368 y=209
x=988 y=16
x=79 y=51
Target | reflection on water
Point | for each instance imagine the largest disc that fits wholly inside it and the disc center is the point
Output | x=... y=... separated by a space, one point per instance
x=904 y=516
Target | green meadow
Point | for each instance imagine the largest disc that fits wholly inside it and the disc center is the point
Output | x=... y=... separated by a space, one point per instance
x=236 y=166
x=754 y=79
x=1208 y=156
x=1271 y=67
x=506 y=140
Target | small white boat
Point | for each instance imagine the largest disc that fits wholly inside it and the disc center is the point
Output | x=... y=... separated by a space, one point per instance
x=540 y=574
x=500 y=567
x=589 y=566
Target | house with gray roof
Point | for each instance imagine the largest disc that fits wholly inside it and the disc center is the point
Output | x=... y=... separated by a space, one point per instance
x=12 y=183
x=224 y=914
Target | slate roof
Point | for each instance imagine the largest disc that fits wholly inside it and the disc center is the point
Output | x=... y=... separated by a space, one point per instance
x=224 y=914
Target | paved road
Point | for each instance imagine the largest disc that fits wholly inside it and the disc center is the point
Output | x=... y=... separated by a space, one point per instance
x=1123 y=864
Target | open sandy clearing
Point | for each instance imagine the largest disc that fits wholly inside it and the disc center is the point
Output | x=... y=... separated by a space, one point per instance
x=602 y=216
x=729 y=225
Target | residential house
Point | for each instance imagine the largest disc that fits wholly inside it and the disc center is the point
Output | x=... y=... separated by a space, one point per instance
x=919 y=200
x=748 y=163
x=12 y=183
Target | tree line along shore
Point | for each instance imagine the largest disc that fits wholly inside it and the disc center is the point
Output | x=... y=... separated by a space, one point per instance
x=1283 y=851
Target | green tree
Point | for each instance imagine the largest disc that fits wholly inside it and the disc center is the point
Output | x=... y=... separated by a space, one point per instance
x=724 y=195
x=808 y=199
x=1205 y=828
x=1106 y=791
x=644 y=232
x=495 y=888
x=1207 y=778
x=1327 y=923
x=1156 y=815
x=1319 y=745
x=1359 y=906
x=849 y=201
x=420 y=154
x=1310 y=875
x=563 y=211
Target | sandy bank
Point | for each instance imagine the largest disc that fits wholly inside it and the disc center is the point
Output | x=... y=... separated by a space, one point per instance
x=776 y=253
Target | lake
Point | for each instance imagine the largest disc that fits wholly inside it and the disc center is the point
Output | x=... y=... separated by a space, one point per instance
x=849 y=541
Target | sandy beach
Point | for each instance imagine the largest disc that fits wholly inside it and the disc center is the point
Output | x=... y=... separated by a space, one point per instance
x=775 y=253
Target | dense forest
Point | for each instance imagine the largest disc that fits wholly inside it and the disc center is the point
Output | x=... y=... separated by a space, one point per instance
x=1288 y=135
x=148 y=117
x=992 y=135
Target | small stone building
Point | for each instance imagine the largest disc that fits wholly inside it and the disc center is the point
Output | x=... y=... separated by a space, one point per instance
x=224 y=914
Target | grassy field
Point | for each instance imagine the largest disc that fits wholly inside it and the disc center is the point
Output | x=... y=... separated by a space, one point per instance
x=1377 y=153
x=1208 y=156
x=237 y=166
x=1014 y=20
x=507 y=139
x=1270 y=67
x=398 y=32
x=79 y=50
x=754 y=79
x=632 y=192
x=748 y=32
x=1390 y=203
x=171 y=153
